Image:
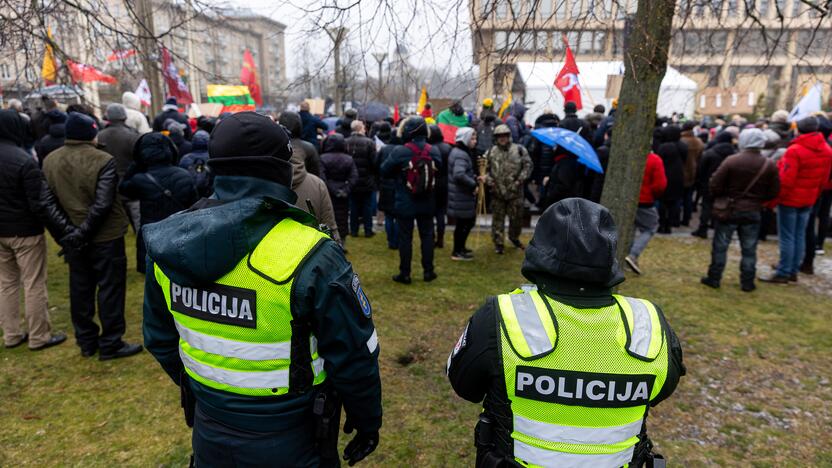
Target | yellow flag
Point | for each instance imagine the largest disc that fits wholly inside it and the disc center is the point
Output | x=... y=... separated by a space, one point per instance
x=504 y=107
x=423 y=99
x=49 y=69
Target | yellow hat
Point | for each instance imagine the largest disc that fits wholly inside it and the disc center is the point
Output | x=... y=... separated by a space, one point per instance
x=487 y=102
x=615 y=103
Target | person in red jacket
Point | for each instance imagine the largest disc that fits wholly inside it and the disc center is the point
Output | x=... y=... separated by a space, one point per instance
x=647 y=216
x=804 y=169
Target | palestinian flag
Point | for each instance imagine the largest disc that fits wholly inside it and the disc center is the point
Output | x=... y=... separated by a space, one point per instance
x=232 y=98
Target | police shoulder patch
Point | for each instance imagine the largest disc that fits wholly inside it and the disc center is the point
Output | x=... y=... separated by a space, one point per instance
x=366 y=309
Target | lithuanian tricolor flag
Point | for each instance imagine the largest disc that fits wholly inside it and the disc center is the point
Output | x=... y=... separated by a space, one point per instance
x=233 y=98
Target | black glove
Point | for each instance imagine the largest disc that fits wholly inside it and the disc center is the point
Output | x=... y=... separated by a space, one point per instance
x=363 y=444
x=73 y=240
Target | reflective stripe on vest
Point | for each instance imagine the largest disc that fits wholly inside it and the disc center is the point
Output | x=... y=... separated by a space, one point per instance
x=642 y=322
x=231 y=348
x=578 y=380
x=542 y=457
x=528 y=323
x=247 y=379
x=575 y=434
x=236 y=333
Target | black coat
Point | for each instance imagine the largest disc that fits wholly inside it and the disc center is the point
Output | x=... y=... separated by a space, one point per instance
x=711 y=160
x=387 y=185
x=339 y=168
x=53 y=140
x=26 y=203
x=566 y=179
x=363 y=152
x=442 y=175
x=673 y=153
x=154 y=154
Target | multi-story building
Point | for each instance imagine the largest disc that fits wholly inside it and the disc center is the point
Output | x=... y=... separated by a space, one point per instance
x=207 y=47
x=775 y=48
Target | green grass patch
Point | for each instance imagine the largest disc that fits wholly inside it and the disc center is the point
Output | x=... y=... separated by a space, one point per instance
x=757 y=390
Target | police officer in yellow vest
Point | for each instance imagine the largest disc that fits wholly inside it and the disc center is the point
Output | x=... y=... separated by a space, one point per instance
x=259 y=318
x=566 y=368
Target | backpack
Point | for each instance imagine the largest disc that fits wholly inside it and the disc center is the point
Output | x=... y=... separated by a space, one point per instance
x=420 y=171
x=202 y=177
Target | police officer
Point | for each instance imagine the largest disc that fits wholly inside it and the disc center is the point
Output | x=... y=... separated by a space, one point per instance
x=258 y=317
x=567 y=369
x=509 y=165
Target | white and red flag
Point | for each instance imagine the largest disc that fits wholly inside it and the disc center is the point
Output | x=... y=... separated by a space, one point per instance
x=567 y=79
x=143 y=92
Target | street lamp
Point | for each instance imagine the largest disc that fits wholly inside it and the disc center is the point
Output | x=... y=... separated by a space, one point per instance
x=380 y=56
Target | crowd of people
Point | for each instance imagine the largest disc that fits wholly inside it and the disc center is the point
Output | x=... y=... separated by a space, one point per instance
x=101 y=176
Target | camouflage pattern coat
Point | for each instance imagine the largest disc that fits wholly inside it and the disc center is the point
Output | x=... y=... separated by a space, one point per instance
x=508 y=170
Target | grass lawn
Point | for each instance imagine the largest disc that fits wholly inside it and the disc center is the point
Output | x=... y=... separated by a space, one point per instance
x=757 y=391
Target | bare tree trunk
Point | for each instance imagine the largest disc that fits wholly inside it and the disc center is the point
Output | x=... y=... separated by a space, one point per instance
x=645 y=60
x=150 y=55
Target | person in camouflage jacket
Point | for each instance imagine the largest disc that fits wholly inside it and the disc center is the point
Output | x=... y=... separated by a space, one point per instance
x=509 y=165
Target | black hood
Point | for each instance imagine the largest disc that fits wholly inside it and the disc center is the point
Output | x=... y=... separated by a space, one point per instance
x=575 y=240
x=57 y=130
x=291 y=120
x=671 y=134
x=333 y=143
x=154 y=149
x=11 y=127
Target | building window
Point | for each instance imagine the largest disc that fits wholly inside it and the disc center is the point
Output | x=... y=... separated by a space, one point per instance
x=576 y=12
x=780 y=5
x=542 y=41
x=515 y=8
x=30 y=74
x=606 y=9
x=500 y=40
x=763 y=8
x=716 y=8
x=572 y=39
x=557 y=42
x=585 y=42
x=599 y=42
x=4 y=71
x=544 y=8
x=527 y=41
x=732 y=8
x=560 y=9
x=502 y=9
x=513 y=42
x=487 y=6
x=618 y=43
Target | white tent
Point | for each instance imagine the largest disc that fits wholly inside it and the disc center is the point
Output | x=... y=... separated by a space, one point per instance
x=677 y=92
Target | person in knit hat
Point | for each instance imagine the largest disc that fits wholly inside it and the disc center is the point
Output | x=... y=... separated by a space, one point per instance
x=258 y=316
x=85 y=181
x=171 y=111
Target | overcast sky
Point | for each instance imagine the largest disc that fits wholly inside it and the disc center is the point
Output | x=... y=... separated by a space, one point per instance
x=435 y=32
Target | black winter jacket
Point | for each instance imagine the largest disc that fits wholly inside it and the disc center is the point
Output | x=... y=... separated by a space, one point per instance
x=26 y=203
x=673 y=153
x=340 y=169
x=566 y=179
x=387 y=185
x=363 y=152
x=153 y=157
x=711 y=160
x=53 y=140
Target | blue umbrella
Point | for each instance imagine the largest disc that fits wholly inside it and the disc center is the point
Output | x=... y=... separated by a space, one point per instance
x=572 y=142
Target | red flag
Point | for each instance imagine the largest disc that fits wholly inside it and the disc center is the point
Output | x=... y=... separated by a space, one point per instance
x=121 y=55
x=448 y=133
x=83 y=73
x=176 y=87
x=567 y=80
x=396 y=114
x=248 y=75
